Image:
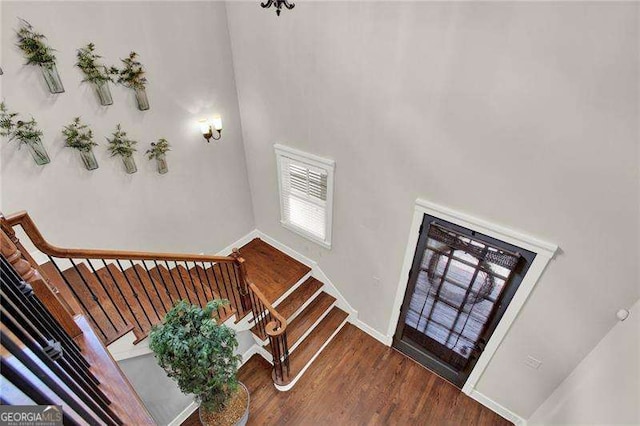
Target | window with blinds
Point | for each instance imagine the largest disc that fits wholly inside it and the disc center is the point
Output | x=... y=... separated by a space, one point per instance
x=306 y=187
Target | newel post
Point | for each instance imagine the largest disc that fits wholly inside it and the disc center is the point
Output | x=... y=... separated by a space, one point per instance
x=41 y=289
x=243 y=285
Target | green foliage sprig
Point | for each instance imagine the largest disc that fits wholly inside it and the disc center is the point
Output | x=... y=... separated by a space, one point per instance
x=78 y=136
x=120 y=145
x=133 y=73
x=197 y=352
x=23 y=131
x=33 y=46
x=94 y=71
x=7 y=122
x=158 y=149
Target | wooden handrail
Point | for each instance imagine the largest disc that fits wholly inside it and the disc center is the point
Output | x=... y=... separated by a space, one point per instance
x=24 y=220
x=273 y=329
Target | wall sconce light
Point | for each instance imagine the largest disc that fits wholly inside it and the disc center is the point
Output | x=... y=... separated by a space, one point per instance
x=208 y=127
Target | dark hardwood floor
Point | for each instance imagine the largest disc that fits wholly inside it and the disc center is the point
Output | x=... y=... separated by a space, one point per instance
x=356 y=381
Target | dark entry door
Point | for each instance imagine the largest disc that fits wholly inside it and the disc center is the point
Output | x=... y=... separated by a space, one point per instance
x=460 y=285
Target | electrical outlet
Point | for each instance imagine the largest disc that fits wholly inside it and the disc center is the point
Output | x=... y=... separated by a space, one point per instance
x=531 y=362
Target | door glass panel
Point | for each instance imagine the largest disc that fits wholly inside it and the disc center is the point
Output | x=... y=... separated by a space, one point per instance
x=456 y=292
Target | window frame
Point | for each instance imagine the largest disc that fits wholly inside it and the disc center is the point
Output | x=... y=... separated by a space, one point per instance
x=307 y=160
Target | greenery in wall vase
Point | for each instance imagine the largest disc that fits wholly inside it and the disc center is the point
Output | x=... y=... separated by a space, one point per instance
x=80 y=137
x=120 y=145
x=158 y=151
x=25 y=132
x=37 y=52
x=133 y=77
x=96 y=73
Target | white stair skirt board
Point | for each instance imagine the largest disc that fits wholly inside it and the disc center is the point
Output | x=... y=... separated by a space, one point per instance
x=123 y=348
x=295 y=379
x=292 y=317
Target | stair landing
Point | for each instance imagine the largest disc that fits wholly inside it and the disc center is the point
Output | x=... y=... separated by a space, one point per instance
x=271 y=270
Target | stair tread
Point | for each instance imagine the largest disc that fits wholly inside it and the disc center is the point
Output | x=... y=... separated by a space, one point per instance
x=161 y=274
x=102 y=313
x=309 y=316
x=130 y=306
x=148 y=300
x=183 y=280
x=56 y=280
x=273 y=271
x=312 y=344
x=225 y=282
x=223 y=313
x=293 y=302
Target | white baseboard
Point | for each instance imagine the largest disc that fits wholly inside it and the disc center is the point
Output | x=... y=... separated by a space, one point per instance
x=184 y=415
x=239 y=243
x=497 y=408
x=384 y=339
x=123 y=348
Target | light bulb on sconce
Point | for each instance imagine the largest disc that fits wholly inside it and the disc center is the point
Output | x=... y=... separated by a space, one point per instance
x=207 y=128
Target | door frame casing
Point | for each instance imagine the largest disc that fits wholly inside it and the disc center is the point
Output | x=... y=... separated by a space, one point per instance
x=544 y=253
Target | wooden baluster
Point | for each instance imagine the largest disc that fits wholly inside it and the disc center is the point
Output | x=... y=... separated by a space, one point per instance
x=42 y=291
x=244 y=281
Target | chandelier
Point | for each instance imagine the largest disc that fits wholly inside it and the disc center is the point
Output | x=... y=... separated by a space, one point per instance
x=278 y=4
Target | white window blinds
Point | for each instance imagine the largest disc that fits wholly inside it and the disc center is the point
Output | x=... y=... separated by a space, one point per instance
x=304 y=195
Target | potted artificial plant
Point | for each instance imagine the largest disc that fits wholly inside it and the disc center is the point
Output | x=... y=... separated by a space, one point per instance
x=133 y=77
x=158 y=151
x=120 y=145
x=25 y=132
x=198 y=353
x=96 y=73
x=80 y=137
x=37 y=52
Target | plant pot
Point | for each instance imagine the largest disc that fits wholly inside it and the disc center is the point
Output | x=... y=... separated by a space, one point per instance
x=38 y=152
x=104 y=93
x=241 y=421
x=89 y=159
x=161 y=162
x=129 y=164
x=142 y=100
x=51 y=76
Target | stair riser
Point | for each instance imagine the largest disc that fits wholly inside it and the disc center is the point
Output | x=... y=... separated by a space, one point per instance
x=247 y=322
x=306 y=333
x=292 y=317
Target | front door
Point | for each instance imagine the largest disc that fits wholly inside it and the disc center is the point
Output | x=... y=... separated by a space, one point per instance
x=460 y=284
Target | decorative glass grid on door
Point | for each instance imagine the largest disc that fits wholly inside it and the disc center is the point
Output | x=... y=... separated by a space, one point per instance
x=457 y=290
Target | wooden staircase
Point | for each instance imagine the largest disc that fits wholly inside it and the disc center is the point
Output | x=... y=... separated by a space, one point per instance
x=290 y=313
x=311 y=314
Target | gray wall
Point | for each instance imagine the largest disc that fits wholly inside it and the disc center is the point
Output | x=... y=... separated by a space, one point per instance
x=203 y=203
x=605 y=387
x=525 y=115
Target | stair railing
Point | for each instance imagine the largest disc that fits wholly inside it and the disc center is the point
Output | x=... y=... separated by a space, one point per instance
x=32 y=339
x=270 y=323
x=222 y=275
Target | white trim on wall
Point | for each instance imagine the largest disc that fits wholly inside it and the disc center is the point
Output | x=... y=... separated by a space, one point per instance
x=544 y=253
x=497 y=408
x=313 y=161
